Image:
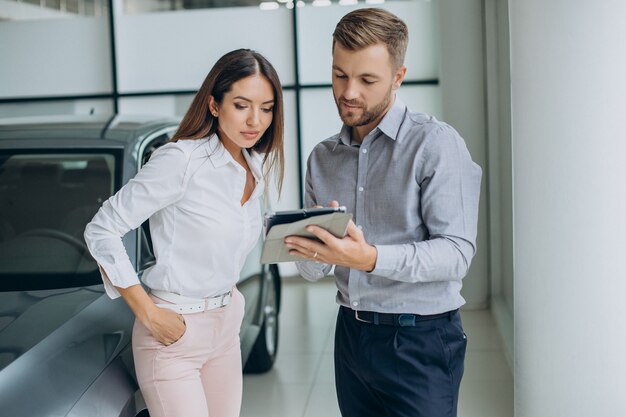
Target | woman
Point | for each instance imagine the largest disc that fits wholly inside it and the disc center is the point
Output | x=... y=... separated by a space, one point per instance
x=202 y=194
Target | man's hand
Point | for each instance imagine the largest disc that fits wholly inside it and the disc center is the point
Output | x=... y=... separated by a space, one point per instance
x=352 y=251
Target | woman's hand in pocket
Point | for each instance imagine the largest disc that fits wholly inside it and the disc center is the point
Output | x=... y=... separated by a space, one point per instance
x=166 y=326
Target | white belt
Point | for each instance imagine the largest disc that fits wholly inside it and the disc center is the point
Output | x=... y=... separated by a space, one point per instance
x=187 y=305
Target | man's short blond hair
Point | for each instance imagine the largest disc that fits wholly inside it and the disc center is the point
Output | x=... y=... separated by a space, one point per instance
x=366 y=27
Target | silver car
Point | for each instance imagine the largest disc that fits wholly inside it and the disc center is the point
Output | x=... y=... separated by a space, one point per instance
x=64 y=345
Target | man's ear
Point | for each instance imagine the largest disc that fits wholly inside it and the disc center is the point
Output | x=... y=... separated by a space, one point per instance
x=399 y=77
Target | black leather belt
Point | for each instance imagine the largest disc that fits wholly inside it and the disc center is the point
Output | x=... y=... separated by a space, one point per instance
x=393 y=319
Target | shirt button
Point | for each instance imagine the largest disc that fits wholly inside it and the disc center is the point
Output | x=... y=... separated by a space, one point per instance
x=364 y=150
x=360 y=188
x=355 y=303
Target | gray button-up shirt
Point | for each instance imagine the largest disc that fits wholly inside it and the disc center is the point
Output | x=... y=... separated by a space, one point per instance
x=413 y=190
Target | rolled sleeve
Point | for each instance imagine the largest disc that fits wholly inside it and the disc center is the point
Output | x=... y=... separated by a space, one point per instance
x=313 y=271
x=159 y=183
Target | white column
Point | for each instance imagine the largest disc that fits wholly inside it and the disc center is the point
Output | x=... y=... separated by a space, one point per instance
x=568 y=74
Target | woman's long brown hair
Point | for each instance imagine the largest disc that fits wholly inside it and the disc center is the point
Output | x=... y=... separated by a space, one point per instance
x=199 y=123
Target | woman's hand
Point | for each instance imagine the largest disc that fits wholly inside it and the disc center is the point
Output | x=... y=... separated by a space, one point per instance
x=165 y=325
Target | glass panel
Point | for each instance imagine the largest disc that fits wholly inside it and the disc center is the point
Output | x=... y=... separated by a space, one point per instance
x=316 y=25
x=52 y=4
x=46 y=200
x=51 y=9
x=174 y=51
x=67 y=56
x=319 y=120
x=150 y=6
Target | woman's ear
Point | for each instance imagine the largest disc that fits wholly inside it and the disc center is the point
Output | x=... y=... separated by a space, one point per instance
x=213 y=107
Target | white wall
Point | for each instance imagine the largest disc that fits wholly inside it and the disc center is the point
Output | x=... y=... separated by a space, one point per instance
x=569 y=167
x=463 y=105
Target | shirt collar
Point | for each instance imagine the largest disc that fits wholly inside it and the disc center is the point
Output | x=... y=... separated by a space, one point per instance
x=255 y=162
x=219 y=157
x=344 y=136
x=389 y=125
x=217 y=153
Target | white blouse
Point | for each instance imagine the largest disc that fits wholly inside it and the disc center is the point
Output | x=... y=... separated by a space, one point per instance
x=191 y=190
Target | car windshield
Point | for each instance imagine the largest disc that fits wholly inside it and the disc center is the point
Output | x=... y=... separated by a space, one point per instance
x=46 y=199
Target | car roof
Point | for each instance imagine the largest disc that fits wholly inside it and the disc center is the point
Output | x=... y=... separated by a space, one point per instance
x=119 y=128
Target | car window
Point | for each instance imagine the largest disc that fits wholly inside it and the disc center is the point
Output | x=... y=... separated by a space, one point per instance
x=46 y=200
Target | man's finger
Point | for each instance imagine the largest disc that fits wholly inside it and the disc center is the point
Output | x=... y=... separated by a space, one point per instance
x=353 y=230
x=322 y=234
x=300 y=254
x=303 y=247
x=297 y=242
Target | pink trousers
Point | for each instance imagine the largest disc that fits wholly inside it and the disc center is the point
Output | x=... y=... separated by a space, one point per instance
x=199 y=375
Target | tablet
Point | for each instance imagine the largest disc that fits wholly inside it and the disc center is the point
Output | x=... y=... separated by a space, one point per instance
x=290 y=216
x=278 y=225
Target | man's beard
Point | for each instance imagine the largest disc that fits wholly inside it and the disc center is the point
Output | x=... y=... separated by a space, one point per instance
x=368 y=115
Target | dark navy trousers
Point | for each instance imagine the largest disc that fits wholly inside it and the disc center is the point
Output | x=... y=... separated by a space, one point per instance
x=399 y=371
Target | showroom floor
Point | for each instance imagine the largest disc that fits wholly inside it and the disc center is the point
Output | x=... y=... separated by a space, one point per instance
x=302 y=383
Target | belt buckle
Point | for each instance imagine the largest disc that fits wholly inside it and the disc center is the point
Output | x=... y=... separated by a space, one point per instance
x=222 y=299
x=406 y=320
x=356 y=316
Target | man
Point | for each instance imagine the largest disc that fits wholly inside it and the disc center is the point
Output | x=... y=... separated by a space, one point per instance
x=413 y=189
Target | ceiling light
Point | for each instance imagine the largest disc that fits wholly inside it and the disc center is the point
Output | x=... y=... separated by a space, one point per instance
x=268 y=5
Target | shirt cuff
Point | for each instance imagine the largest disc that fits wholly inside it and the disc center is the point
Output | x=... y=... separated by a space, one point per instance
x=116 y=273
x=386 y=260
